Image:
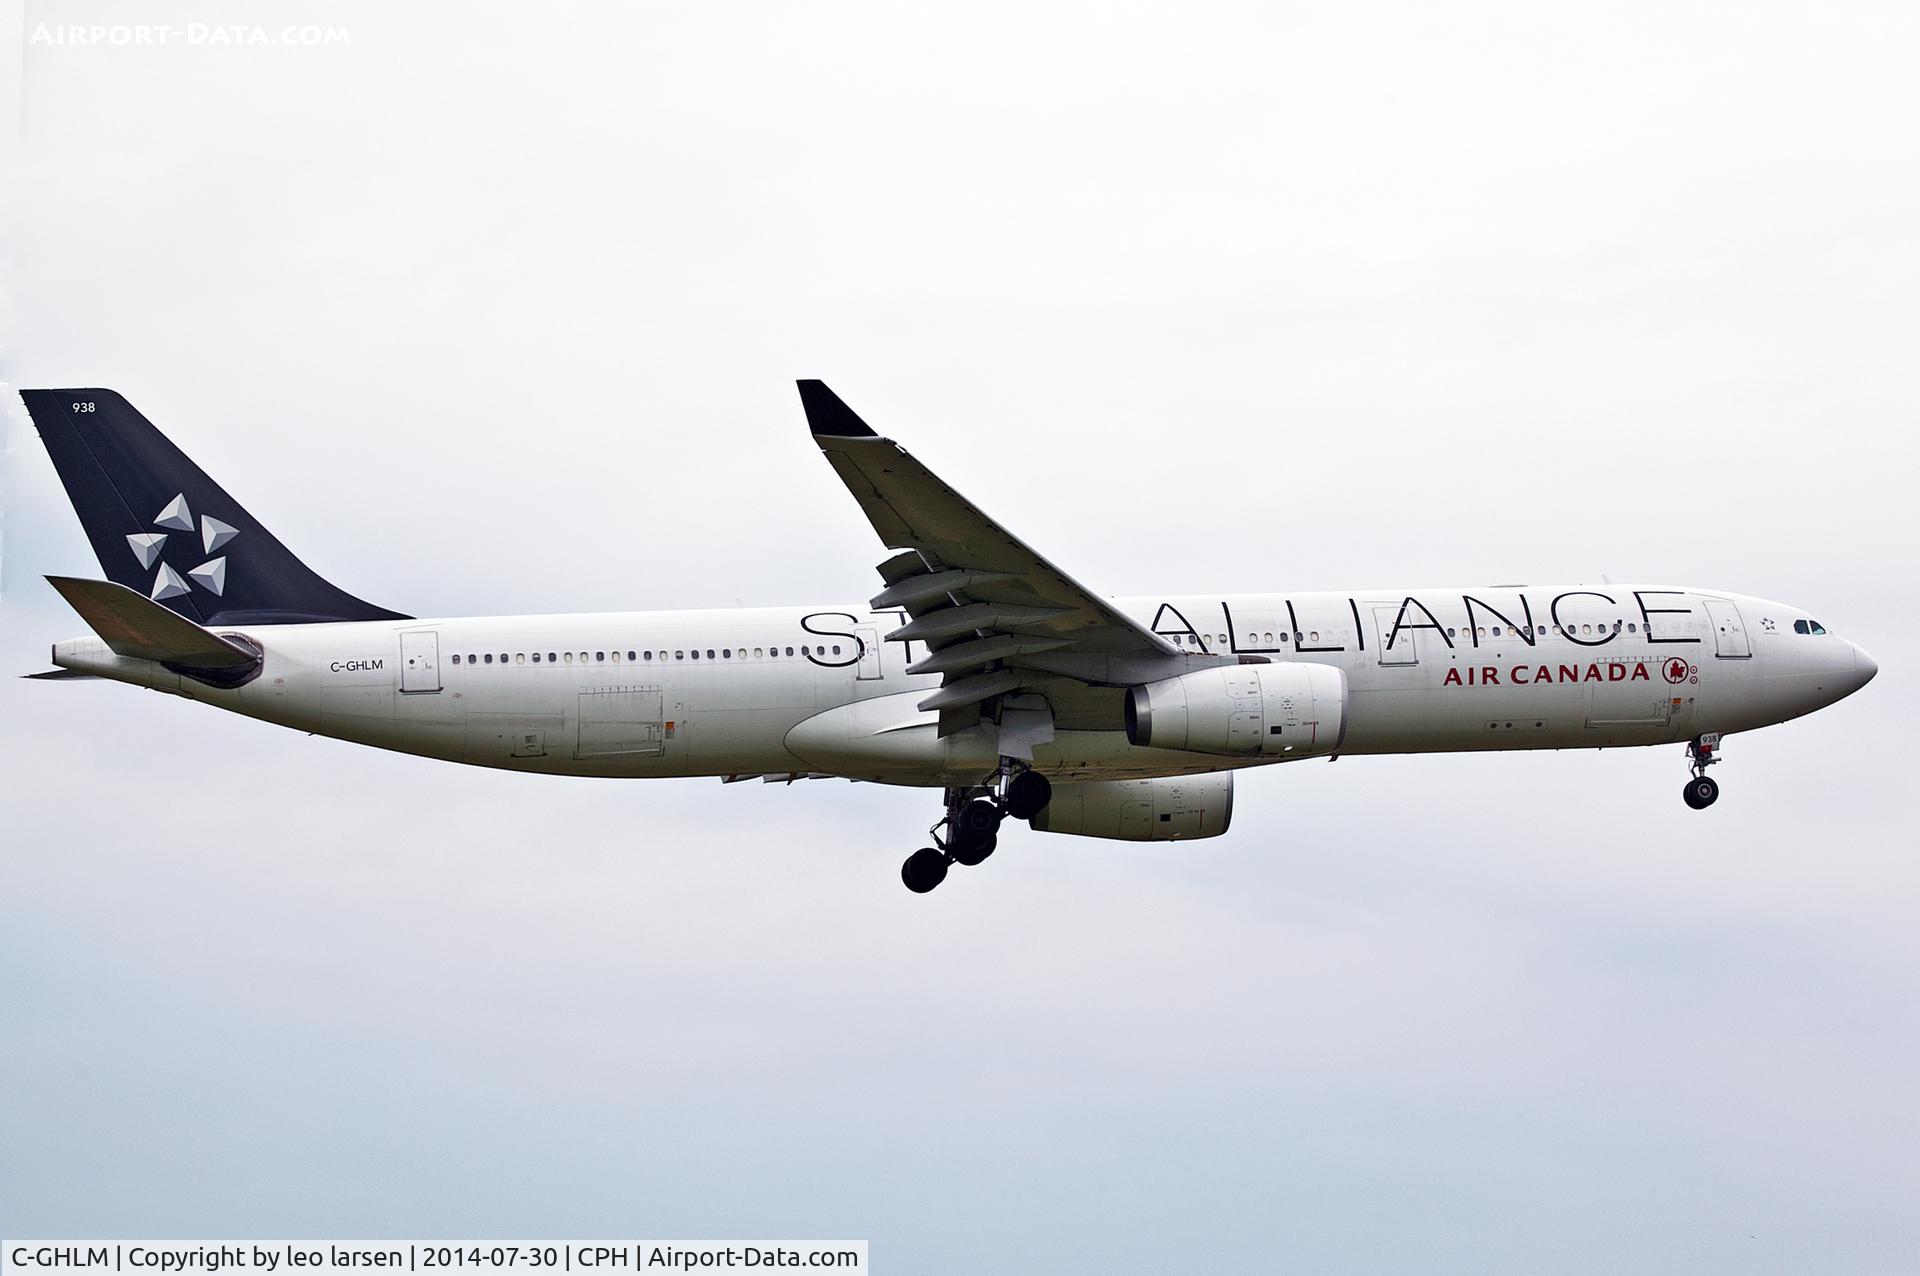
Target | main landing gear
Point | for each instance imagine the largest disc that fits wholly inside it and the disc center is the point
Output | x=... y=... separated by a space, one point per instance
x=1701 y=791
x=970 y=830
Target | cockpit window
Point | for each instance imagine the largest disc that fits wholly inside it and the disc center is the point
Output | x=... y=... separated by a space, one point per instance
x=1800 y=627
x=1818 y=628
x=1808 y=627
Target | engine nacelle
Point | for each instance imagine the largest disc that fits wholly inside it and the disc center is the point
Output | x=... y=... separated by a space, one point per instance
x=1293 y=708
x=1165 y=809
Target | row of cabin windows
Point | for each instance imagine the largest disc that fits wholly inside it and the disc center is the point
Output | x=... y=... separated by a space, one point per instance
x=1485 y=631
x=635 y=656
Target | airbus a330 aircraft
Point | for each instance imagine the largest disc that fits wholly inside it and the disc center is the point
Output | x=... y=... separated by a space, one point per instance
x=979 y=668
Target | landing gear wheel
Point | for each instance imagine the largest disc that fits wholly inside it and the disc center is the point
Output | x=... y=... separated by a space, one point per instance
x=1028 y=794
x=925 y=869
x=978 y=818
x=970 y=849
x=1701 y=792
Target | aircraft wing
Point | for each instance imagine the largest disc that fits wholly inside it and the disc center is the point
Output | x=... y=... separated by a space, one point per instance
x=995 y=616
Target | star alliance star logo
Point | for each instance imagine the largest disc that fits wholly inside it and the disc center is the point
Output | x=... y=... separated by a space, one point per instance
x=168 y=583
x=1766 y=623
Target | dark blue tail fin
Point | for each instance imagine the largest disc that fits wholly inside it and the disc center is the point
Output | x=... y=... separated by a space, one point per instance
x=159 y=525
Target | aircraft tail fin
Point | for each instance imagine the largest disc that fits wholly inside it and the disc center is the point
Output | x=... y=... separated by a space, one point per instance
x=166 y=531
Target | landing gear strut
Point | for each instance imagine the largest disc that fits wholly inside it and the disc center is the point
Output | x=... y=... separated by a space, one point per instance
x=1702 y=752
x=970 y=830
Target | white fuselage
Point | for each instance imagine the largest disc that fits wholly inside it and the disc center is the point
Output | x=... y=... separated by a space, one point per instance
x=800 y=691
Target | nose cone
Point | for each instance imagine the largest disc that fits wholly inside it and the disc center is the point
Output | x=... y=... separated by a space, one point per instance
x=1864 y=666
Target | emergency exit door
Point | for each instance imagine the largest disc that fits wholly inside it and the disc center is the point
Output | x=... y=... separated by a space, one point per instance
x=1729 y=635
x=869 y=667
x=420 y=661
x=1395 y=648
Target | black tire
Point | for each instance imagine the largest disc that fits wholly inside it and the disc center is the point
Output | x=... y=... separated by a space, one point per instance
x=970 y=849
x=1701 y=792
x=1028 y=794
x=925 y=869
x=978 y=818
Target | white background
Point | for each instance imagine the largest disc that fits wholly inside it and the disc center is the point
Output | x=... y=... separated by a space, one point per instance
x=497 y=308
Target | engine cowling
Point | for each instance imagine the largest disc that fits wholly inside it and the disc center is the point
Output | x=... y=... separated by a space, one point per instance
x=1293 y=708
x=1164 y=809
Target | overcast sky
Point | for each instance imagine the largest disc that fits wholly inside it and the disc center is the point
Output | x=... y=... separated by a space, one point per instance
x=497 y=310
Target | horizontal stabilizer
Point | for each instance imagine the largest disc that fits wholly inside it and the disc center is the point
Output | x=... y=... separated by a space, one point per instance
x=61 y=674
x=134 y=626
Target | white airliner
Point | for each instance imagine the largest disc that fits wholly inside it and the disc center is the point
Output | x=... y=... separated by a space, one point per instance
x=979 y=668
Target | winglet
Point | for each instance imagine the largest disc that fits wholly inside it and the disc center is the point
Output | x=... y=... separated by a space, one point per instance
x=827 y=415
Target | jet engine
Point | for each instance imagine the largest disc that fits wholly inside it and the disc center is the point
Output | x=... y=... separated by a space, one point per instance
x=1165 y=809
x=1292 y=709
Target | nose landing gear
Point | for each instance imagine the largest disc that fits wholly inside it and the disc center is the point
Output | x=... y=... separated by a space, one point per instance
x=1701 y=792
x=970 y=830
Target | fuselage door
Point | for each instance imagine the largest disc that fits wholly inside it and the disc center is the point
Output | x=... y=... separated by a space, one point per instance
x=869 y=640
x=419 y=661
x=1729 y=635
x=1394 y=650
